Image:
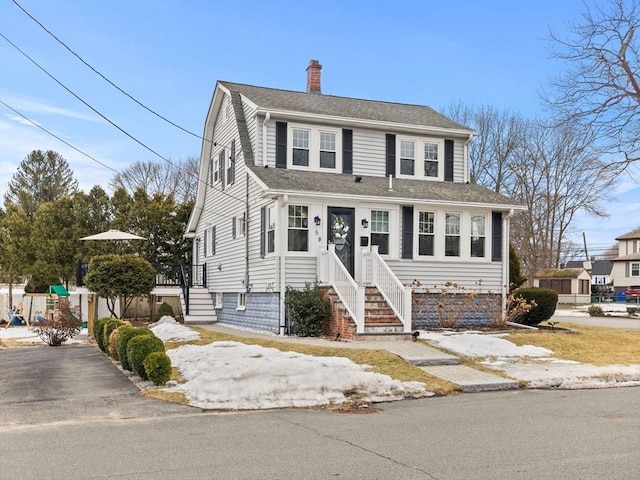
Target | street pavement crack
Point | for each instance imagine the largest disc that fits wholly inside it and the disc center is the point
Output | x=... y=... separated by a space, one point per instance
x=360 y=447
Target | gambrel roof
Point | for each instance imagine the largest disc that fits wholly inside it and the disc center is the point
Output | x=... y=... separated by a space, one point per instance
x=345 y=107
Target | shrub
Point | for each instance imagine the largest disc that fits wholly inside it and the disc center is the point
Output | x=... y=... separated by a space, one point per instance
x=137 y=350
x=98 y=331
x=545 y=304
x=112 y=345
x=157 y=366
x=164 y=309
x=65 y=325
x=108 y=327
x=308 y=310
x=595 y=311
x=125 y=335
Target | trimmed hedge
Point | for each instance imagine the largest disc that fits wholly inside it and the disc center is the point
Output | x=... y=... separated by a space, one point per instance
x=138 y=349
x=98 y=331
x=546 y=301
x=108 y=327
x=308 y=310
x=125 y=335
x=157 y=365
x=164 y=309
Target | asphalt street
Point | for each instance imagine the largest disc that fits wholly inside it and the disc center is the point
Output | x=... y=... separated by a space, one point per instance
x=94 y=426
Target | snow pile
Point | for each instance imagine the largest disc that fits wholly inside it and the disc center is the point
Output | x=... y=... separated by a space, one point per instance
x=24 y=334
x=480 y=345
x=168 y=330
x=534 y=364
x=232 y=375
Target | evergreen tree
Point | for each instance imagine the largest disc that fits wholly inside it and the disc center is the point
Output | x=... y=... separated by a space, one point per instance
x=14 y=244
x=41 y=177
x=515 y=277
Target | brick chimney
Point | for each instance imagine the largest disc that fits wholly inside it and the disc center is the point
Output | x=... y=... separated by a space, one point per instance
x=313 y=77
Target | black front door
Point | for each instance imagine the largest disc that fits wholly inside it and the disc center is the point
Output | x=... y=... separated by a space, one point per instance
x=341 y=233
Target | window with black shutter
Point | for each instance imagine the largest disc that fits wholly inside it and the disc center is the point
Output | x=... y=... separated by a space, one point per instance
x=281 y=144
x=390 y=153
x=347 y=151
x=448 y=160
x=496 y=236
x=407 y=232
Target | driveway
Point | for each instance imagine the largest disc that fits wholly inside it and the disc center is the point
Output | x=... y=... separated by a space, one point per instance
x=69 y=383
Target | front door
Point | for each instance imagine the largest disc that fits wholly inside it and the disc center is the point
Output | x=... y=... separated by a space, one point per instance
x=341 y=232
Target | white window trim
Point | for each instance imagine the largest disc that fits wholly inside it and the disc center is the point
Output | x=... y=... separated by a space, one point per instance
x=314 y=147
x=242 y=301
x=419 y=159
x=218 y=300
x=470 y=216
x=271 y=208
x=436 y=234
x=631 y=264
x=394 y=233
x=307 y=229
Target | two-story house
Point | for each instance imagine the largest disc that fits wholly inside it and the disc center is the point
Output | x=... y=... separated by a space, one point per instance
x=626 y=266
x=300 y=187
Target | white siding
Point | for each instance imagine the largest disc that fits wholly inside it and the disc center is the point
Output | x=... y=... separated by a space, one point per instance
x=369 y=152
x=436 y=273
x=252 y=126
x=458 y=161
x=300 y=269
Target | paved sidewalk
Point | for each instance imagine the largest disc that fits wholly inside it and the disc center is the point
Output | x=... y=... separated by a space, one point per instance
x=430 y=359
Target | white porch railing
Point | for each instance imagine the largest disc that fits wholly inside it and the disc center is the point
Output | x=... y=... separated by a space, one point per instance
x=398 y=296
x=332 y=271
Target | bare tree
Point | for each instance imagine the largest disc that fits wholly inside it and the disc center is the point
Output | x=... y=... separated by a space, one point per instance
x=500 y=134
x=601 y=88
x=179 y=178
x=557 y=174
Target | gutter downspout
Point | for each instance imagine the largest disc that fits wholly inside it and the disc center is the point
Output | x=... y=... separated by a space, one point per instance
x=267 y=116
x=467 y=176
x=282 y=279
x=247 y=289
x=505 y=259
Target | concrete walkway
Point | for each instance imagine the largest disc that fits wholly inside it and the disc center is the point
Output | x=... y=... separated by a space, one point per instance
x=430 y=359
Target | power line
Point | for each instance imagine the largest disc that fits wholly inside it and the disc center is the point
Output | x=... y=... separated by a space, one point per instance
x=107 y=119
x=36 y=124
x=150 y=110
x=57 y=137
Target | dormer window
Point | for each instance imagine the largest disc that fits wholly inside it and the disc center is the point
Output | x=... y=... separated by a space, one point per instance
x=313 y=148
x=407 y=158
x=420 y=158
x=327 y=150
x=301 y=147
x=430 y=159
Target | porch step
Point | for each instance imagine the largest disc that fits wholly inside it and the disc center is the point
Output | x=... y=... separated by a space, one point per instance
x=201 y=307
x=377 y=336
x=383 y=328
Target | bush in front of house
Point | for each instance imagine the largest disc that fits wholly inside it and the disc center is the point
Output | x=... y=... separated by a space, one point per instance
x=545 y=304
x=157 y=366
x=112 y=345
x=137 y=350
x=124 y=336
x=308 y=310
x=595 y=311
x=164 y=310
x=98 y=331
x=64 y=325
x=108 y=327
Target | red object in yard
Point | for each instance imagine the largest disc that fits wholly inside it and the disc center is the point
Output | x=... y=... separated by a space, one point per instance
x=633 y=292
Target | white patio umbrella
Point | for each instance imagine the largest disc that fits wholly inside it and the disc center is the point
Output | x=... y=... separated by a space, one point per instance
x=113 y=235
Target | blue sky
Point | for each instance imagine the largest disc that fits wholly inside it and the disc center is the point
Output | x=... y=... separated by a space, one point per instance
x=169 y=54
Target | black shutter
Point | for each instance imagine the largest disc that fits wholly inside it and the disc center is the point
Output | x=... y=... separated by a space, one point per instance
x=232 y=166
x=233 y=227
x=222 y=167
x=390 y=155
x=448 y=160
x=281 y=144
x=496 y=236
x=407 y=232
x=347 y=151
x=263 y=222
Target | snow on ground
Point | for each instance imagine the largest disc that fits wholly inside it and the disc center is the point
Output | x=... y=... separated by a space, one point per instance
x=24 y=334
x=167 y=329
x=232 y=375
x=534 y=364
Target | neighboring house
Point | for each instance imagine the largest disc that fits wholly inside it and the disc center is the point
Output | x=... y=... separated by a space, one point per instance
x=572 y=284
x=601 y=279
x=301 y=187
x=626 y=267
